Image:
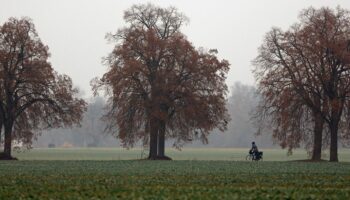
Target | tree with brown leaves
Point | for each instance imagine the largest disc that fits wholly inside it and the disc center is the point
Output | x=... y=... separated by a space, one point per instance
x=159 y=85
x=312 y=60
x=33 y=96
x=293 y=124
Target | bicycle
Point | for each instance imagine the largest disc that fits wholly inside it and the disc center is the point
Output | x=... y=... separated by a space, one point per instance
x=251 y=157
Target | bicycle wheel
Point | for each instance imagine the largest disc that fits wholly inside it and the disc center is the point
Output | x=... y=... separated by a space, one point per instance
x=249 y=157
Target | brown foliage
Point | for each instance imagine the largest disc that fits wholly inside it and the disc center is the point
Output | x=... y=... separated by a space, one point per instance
x=33 y=96
x=156 y=76
x=311 y=60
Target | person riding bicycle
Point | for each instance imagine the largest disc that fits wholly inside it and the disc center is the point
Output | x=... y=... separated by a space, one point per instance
x=254 y=151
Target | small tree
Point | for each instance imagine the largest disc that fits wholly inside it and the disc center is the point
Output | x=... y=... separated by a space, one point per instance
x=33 y=95
x=159 y=85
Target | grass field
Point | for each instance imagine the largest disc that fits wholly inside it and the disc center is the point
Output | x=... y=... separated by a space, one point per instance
x=134 y=179
x=194 y=174
x=228 y=154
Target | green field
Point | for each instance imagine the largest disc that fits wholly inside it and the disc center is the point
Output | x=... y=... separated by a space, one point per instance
x=134 y=179
x=228 y=154
x=194 y=174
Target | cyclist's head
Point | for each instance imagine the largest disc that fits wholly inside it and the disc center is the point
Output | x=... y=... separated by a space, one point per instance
x=253 y=142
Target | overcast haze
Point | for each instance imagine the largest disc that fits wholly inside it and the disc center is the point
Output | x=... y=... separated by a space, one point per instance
x=75 y=30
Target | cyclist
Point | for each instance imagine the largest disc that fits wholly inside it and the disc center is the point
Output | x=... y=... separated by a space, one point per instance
x=254 y=151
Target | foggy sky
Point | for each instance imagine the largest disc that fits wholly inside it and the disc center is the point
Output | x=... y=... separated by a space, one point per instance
x=74 y=30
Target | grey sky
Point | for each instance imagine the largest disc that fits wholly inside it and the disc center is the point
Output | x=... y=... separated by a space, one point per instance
x=74 y=30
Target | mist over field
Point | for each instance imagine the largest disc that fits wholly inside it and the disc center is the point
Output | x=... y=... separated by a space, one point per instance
x=241 y=103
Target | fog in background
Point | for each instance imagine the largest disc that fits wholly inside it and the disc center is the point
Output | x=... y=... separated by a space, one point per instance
x=75 y=32
x=240 y=132
x=89 y=134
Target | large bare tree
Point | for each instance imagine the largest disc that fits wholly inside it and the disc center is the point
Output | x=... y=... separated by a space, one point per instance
x=33 y=95
x=159 y=85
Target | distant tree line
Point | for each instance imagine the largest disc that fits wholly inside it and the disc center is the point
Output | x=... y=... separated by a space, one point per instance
x=240 y=130
x=90 y=133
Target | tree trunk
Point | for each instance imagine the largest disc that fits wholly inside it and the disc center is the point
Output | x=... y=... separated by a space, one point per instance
x=333 y=155
x=0 y=133
x=318 y=129
x=153 y=143
x=8 y=142
x=161 y=140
